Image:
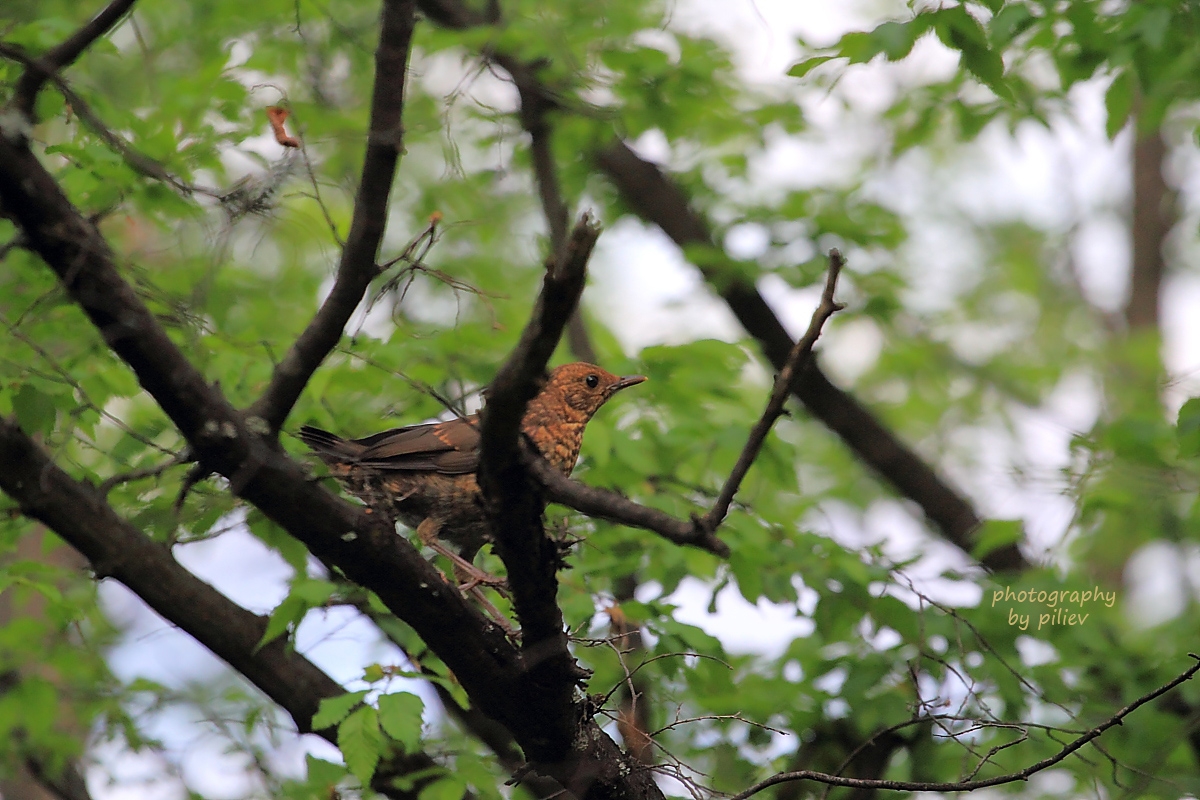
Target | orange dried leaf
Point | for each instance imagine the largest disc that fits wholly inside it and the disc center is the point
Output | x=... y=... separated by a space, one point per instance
x=277 y=117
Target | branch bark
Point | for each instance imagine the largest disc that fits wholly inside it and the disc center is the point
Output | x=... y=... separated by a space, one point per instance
x=515 y=504
x=611 y=506
x=385 y=143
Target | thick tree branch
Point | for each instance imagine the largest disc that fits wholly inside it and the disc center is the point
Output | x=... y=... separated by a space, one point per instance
x=385 y=143
x=473 y=721
x=656 y=199
x=64 y=54
x=972 y=785
x=79 y=514
x=514 y=501
x=786 y=384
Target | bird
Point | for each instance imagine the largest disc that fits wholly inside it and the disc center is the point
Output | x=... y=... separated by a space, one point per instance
x=424 y=475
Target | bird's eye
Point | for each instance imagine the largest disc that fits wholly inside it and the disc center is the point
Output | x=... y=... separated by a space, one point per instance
x=592 y=381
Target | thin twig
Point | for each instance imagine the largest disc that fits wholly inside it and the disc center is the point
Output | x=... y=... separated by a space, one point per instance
x=108 y=484
x=971 y=785
x=136 y=160
x=784 y=386
x=84 y=398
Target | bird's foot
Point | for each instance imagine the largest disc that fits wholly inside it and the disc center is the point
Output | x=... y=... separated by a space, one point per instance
x=477 y=577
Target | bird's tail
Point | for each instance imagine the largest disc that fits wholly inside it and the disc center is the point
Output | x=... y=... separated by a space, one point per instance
x=330 y=447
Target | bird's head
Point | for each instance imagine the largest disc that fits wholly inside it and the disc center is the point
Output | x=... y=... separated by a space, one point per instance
x=585 y=387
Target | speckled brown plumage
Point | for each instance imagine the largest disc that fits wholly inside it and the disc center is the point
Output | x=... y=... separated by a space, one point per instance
x=424 y=475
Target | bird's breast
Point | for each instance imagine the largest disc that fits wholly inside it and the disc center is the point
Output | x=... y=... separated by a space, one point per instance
x=559 y=444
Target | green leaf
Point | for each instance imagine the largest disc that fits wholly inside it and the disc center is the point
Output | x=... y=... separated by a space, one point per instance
x=1010 y=22
x=323 y=774
x=361 y=743
x=996 y=533
x=286 y=615
x=1153 y=27
x=450 y=787
x=400 y=717
x=1118 y=102
x=333 y=710
x=1187 y=429
x=35 y=410
x=896 y=39
x=960 y=31
x=802 y=68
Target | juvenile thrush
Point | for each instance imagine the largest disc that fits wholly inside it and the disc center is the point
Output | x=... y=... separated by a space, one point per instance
x=424 y=475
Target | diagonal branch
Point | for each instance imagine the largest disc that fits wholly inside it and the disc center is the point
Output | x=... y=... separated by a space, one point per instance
x=385 y=143
x=657 y=199
x=607 y=505
x=64 y=54
x=80 y=515
x=138 y=161
x=972 y=785
x=786 y=384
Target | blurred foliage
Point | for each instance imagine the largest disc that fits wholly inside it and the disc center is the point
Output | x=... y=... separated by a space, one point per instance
x=235 y=282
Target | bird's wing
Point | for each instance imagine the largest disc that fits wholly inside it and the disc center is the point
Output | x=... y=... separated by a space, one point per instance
x=451 y=448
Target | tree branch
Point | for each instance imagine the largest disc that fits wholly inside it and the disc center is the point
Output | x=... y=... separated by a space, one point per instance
x=972 y=785
x=473 y=721
x=63 y=55
x=79 y=514
x=603 y=504
x=357 y=268
x=786 y=384
x=514 y=502
x=1154 y=215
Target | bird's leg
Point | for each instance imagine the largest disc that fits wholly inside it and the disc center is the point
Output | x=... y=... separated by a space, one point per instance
x=427 y=532
x=468 y=575
x=469 y=579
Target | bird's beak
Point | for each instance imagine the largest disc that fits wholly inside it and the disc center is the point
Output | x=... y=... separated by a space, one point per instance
x=627 y=381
